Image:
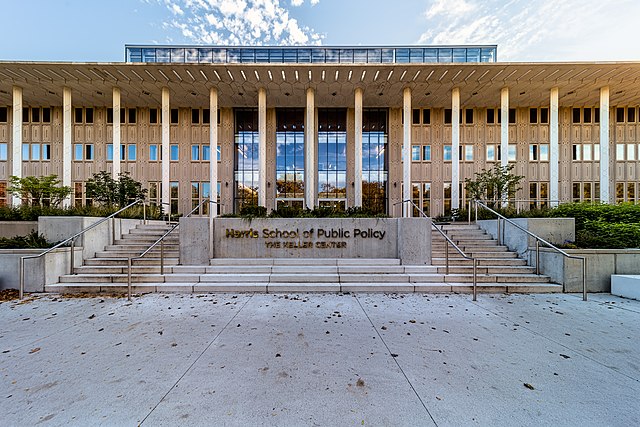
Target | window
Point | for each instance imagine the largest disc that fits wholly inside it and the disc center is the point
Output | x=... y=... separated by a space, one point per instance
x=153 y=116
x=131 y=152
x=4 y=114
x=77 y=116
x=586 y=115
x=195 y=117
x=512 y=152
x=631 y=115
x=631 y=152
x=109 y=115
x=447 y=153
x=544 y=152
x=576 y=152
x=426 y=116
x=416 y=116
x=206 y=116
x=620 y=151
x=491 y=153
x=174 y=116
x=155 y=193
x=596 y=152
x=468 y=153
x=3 y=193
x=35 y=151
x=88 y=115
x=132 y=113
x=421 y=195
x=620 y=115
x=426 y=153
x=596 y=114
x=174 y=153
x=544 y=115
x=512 y=116
x=290 y=155
x=491 y=116
x=35 y=115
x=533 y=153
x=538 y=195
x=109 y=152
x=533 y=115
x=174 y=197
x=246 y=158
x=195 y=153
x=447 y=116
x=447 y=197
x=375 y=168
x=576 y=116
x=415 y=153
x=586 y=152
x=3 y=151
x=77 y=152
x=123 y=115
x=468 y=116
x=153 y=152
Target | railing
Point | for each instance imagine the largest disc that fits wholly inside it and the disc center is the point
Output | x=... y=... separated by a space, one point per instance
x=160 y=242
x=72 y=239
x=448 y=242
x=538 y=241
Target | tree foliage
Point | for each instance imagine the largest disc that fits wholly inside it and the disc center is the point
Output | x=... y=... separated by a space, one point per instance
x=39 y=191
x=491 y=184
x=105 y=190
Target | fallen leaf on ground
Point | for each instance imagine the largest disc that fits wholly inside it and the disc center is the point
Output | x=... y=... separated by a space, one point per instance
x=529 y=386
x=34 y=350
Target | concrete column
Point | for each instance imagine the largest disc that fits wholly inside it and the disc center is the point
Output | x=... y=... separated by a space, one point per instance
x=16 y=140
x=358 y=149
x=117 y=136
x=554 y=149
x=455 y=148
x=213 y=150
x=67 y=141
x=262 y=147
x=605 y=185
x=310 y=168
x=406 y=153
x=166 y=154
x=504 y=126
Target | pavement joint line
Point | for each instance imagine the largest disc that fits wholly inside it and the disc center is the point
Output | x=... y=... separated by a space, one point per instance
x=196 y=360
x=60 y=330
x=396 y=361
x=476 y=303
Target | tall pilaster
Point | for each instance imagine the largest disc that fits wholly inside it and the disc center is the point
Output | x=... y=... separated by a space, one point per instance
x=504 y=126
x=262 y=147
x=117 y=136
x=455 y=148
x=554 y=149
x=16 y=140
x=358 y=149
x=310 y=168
x=166 y=148
x=213 y=151
x=605 y=184
x=67 y=141
x=406 y=152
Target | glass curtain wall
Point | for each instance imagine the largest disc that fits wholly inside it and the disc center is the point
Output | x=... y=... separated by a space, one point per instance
x=332 y=157
x=290 y=157
x=246 y=164
x=375 y=137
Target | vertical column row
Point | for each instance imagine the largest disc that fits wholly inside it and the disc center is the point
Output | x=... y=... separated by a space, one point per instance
x=605 y=184
x=116 y=132
x=16 y=151
x=554 y=149
x=310 y=166
x=455 y=148
x=262 y=147
x=406 y=153
x=358 y=149
x=213 y=147
x=67 y=141
x=166 y=120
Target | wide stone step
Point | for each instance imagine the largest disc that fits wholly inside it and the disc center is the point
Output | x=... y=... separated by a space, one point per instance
x=304 y=261
x=123 y=261
x=488 y=269
x=127 y=238
x=476 y=254
x=141 y=248
x=135 y=253
x=495 y=262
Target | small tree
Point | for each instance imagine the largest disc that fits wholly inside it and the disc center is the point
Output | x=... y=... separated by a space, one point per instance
x=491 y=184
x=39 y=191
x=105 y=190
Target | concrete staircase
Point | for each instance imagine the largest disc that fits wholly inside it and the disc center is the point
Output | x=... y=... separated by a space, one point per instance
x=499 y=270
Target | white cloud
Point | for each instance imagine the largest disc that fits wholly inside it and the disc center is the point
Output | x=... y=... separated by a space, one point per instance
x=535 y=29
x=239 y=22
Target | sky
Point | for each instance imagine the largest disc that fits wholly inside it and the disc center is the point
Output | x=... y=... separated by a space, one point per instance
x=524 y=30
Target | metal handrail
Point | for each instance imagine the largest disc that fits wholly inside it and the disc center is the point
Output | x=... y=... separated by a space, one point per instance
x=160 y=242
x=538 y=241
x=446 y=249
x=72 y=240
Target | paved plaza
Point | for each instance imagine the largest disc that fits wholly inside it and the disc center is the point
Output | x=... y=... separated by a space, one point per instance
x=321 y=359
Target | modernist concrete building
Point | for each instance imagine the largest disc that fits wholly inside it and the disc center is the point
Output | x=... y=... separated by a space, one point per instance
x=316 y=126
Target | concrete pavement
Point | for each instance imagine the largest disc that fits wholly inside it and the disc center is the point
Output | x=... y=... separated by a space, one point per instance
x=321 y=359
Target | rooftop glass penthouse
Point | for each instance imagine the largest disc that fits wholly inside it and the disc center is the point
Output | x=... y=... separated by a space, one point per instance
x=313 y=55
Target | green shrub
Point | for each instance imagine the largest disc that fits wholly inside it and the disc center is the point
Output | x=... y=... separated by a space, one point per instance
x=600 y=234
x=30 y=241
x=31 y=213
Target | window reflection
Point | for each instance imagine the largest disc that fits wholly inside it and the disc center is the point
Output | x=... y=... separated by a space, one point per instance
x=290 y=153
x=332 y=154
x=246 y=158
x=374 y=164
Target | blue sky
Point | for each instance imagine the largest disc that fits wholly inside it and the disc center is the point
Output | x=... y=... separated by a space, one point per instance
x=525 y=30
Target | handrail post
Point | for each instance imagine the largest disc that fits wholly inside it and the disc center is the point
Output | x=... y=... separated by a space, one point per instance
x=498 y=231
x=21 y=291
x=469 y=212
x=537 y=257
x=476 y=204
x=73 y=250
x=475 y=279
x=584 y=279
x=162 y=256
x=129 y=278
x=144 y=213
x=446 y=256
x=113 y=230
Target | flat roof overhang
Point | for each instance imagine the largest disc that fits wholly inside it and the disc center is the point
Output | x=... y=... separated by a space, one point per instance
x=431 y=84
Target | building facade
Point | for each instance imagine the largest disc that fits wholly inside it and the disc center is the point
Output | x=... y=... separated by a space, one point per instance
x=323 y=126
